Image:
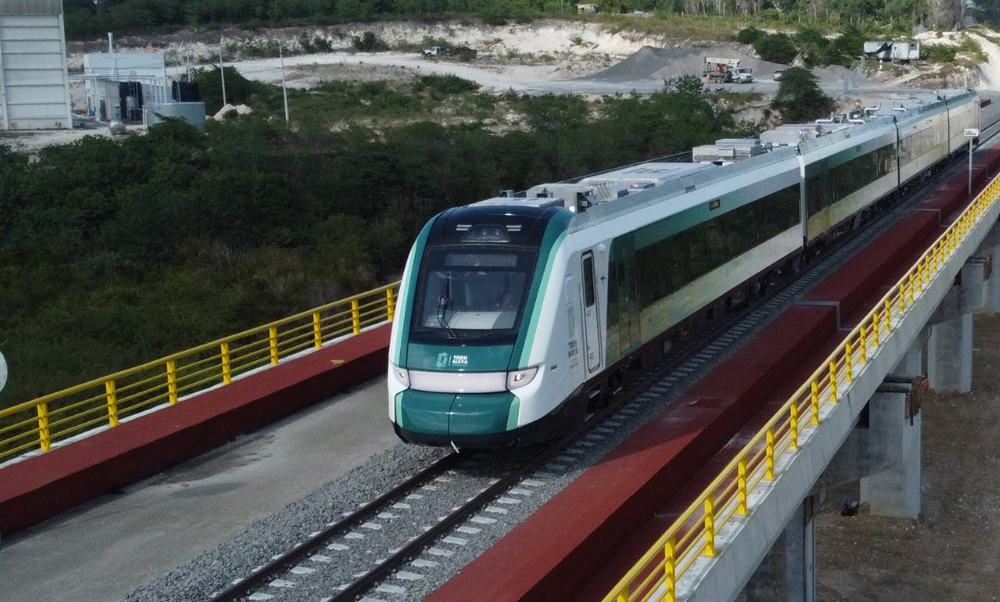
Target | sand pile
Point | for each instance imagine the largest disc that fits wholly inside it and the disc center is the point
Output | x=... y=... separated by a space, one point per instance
x=227 y=109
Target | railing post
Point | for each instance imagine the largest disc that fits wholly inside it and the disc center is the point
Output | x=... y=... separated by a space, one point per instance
x=815 y=402
x=793 y=426
x=355 y=316
x=888 y=317
x=317 y=331
x=227 y=367
x=833 y=382
x=44 y=436
x=709 y=549
x=670 y=569
x=849 y=362
x=390 y=305
x=877 y=328
x=172 y=381
x=623 y=595
x=112 y=396
x=864 y=345
x=769 y=453
x=741 y=485
x=912 y=277
x=272 y=343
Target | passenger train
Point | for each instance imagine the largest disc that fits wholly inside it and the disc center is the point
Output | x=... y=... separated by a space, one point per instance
x=516 y=314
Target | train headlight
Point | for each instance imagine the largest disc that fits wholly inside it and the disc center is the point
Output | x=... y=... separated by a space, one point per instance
x=519 y=378
x=401 y=375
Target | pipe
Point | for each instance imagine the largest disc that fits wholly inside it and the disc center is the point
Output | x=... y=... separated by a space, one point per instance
x=859 y=121
x=900 y=108
x=875 y=109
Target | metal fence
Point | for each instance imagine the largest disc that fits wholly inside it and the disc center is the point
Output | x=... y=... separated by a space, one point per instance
x=101 y=403
x=693 y=535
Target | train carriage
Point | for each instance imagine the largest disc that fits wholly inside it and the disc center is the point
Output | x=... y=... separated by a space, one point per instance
x=514 y=314
x=923 y=140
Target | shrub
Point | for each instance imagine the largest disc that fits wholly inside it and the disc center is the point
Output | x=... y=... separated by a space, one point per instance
x=776 y=48
x=750 y=35
x=369 y=42
x=938 y=53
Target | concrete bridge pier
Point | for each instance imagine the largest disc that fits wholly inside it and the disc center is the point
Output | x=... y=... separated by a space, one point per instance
x=895 y=429
x=949 y=346
x=788 y=571
x=990 y=250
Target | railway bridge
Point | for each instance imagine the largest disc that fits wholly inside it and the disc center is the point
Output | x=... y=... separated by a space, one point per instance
x=713 y=499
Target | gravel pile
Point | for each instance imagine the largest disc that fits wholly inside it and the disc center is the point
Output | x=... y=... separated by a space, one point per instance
x=664 y=63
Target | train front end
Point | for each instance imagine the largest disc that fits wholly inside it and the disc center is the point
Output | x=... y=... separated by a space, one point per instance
x=471 y=284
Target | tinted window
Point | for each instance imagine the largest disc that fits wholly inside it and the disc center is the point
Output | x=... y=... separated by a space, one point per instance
x=471 y=294
x=588 y=280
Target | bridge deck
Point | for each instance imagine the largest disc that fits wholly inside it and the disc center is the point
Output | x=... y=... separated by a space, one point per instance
x=42 y=486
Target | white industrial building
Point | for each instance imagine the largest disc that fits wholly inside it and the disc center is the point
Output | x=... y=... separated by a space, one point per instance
x=34 y=90
x=120 y=84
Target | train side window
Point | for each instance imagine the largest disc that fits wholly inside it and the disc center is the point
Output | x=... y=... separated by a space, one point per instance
x=588 y=281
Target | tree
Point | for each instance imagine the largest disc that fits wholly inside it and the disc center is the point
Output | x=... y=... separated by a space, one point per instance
x=800 y=98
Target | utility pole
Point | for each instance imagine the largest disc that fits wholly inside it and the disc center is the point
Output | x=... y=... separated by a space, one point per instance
x=284 y=89
x=222 y=70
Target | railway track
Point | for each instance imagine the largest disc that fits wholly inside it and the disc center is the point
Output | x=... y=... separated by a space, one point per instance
x=390 y=546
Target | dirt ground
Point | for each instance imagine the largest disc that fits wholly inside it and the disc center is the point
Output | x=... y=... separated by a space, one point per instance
x=951 y=552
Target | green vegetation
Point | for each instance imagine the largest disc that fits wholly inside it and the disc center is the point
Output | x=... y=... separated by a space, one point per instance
x=704 y=19
x=119 y=251
x=810 y=42
x=800 y=98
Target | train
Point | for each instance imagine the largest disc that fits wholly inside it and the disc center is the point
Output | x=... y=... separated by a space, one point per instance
x=518 y=315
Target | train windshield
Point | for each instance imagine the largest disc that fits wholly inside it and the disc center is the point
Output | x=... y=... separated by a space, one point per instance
x=477 y=293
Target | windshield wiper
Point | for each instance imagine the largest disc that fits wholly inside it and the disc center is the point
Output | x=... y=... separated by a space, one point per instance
x=444 y=302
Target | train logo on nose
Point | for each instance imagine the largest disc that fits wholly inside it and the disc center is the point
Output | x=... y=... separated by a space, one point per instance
x=445 y=360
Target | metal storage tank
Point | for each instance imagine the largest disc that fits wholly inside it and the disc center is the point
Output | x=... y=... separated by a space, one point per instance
x=191 y=112
x=34 y=86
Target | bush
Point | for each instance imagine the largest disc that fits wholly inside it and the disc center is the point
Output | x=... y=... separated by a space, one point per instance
x=776 y=48
x=938 y=53
x=750 y=35
x=369 y=42
x=444 y=85
x=691 y=84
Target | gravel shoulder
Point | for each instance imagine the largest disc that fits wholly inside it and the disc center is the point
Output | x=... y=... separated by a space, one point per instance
x=950 y=552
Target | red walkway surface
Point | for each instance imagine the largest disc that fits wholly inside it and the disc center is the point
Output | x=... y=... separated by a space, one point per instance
x=581 y=542
x=43 y=486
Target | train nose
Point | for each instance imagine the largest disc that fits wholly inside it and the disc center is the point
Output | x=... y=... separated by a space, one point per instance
x=457 y=414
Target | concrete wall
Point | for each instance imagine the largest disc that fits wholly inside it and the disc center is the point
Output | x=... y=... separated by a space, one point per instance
x=34 y=91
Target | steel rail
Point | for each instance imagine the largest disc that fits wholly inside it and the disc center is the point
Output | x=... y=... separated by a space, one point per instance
x=285 y=561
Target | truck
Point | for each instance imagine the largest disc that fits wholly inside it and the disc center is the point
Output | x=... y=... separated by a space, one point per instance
x=895 y=51
x=726 y=71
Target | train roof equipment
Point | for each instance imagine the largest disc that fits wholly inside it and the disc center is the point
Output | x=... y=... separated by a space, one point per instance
x=606 y=195
x=728 y=150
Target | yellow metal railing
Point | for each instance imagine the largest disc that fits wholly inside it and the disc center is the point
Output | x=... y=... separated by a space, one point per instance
x=693 y=535
x=103 y=402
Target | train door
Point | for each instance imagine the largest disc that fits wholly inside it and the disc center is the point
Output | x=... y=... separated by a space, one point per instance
x=591 y=314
